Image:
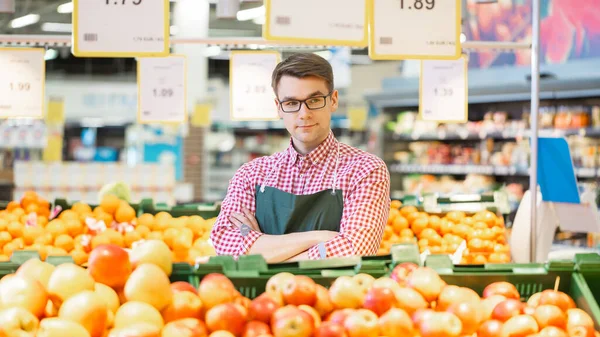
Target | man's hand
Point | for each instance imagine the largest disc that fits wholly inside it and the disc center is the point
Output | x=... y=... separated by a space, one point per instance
x=245 y=221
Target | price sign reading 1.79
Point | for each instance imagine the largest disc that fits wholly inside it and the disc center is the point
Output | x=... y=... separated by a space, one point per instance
x=123 y=2
x=418 y=4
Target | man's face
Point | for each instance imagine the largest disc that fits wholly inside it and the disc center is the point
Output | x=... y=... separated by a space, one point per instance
x=308 y=127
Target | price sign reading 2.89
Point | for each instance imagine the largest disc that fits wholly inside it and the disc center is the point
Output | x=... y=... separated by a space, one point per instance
x=418 y=4
x=138 y=28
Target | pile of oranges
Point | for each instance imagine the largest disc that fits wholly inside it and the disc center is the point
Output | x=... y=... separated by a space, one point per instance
x=483 y=233
x=26 y=225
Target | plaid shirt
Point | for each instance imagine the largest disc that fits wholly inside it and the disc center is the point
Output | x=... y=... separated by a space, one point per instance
x=363 y=178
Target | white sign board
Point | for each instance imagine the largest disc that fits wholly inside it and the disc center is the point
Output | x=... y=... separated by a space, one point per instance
x=252 y=97
x=415 y=29
x=120 y=28
x=443 y=92
x=162 y=89
x=22 y=80
x=317 y=22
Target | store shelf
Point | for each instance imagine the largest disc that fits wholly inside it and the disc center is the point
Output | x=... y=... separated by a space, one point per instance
x=496 y=135
x=441 y=169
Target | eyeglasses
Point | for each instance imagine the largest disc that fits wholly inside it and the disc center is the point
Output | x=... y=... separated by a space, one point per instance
x=312 y=103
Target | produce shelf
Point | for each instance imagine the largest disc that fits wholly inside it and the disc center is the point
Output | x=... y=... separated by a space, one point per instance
x=206 y=211
x=65 y=205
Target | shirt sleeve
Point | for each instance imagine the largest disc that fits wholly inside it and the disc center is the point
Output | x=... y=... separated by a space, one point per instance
x=225 y=236
x=365 y=214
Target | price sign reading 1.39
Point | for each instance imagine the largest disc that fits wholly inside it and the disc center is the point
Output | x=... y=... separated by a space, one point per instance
x=162 y=89
x=120 y=28
x=415 y=29
x=22 y=78
x=443 y=93
x=252 y=97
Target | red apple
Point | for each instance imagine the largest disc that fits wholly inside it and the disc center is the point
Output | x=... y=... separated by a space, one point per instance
x=185 y=304
x=396 y=322
x=505 y=289
x=331 y=329
x=552 y=331
x=183 y=286
x=313 y=313
x=557 y=298
x=36 y=270
x=109 y=264
x=141 y=329
x=17 y=321
x=225 y=317
x=579 y=323
x=379 y=300
x=422 y=315
x=223 y=333
x=386 y=282
x=24 y=292
x=534 y=300
x=410 y=300
x=300 y=290
x=441 y=324
x=453 y=294
x=216 y=289
x=470 y=315
x=323 y=305
x=362 y=323
x=364 y=281
x=276 y=283
x=243 y=302
x=491 y=328
x=345 y=293
x=58 y=327
x=507 y=309
x=149 y=283
x=138 y=312
x=427 y=282
x=527 y=310
x=400 y=272
x=288 y=310
x=255 y=329
x=488 y=304
x=294 y=323
x=262 y=308
x=550 y=315
x=339 y=316
x=186 y=327
x=520 y=326
x=87 y=309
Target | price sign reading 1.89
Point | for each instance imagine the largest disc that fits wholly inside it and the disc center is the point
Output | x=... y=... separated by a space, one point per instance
x=22 y=81
x=415 y=29
x=120 y=28
x=162 y=89
x=443 y=90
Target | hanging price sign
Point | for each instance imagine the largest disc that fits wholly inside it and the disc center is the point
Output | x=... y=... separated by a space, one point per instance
x=251 y=95
x=414 y=29
x=317 y=22
x=162 y=89
x=443 y=93
x=22 y=80
x=120 y=28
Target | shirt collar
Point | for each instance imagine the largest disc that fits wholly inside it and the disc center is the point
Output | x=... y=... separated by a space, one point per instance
x=317 y=155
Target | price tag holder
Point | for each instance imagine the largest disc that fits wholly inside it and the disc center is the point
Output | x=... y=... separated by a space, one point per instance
x=251 y=95
x=317 y=22
x=22 y=82
x=398 y=30
x=121 y=28
x=162 y=89
x=443 y=92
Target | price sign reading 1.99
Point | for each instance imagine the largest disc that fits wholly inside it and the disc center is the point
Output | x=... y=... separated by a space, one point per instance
x=415 y=29
x=22 y=78
x=162 y=89
x=120 y=28
x=443 y=93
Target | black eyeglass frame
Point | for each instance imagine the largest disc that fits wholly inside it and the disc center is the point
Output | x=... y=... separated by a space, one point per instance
x=304 y=102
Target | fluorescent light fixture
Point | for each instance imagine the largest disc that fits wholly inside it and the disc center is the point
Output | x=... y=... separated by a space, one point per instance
x=57 y=27
x=24 y=21
x=51 y=54
x=212 y=51
x=250 y=14
x=174 y=30
x=463 y=37
x=260 y=20
x=65 y=8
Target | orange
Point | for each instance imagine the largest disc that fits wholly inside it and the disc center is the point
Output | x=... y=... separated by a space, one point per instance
x=196 y=224
x=18 y=242
x=500 y=248
x=5 y=238
x=9 y=248
x=446 y=226
x=182 y=243
x=423 y=243
x=435 y=222
x=387 y=232
x=475 y=233
x=65 y=242
x=68 y=214
x=479 y=259
x=4 y=258
x=427 y=232
x=124 y=213
x=499 y=258
x=455 y=216
x=44 y=204
x=15 y=229
x=162 y=221
x=42 y=221
x=18 y=212
x=480 y=225
x=55 y=251
x=32 y=208
x=12 y=206
x=468 y=221
x=29 y=199
x=44 y=239
x=131 y=237
x=394 y=213
x=406 y=210
x=81 y=208
x=380 y=252
x=41 y=249
x=169 y=235
x=460 y=230
x=476 y=245
x=399 y=224
x=105 y=217
x=74 y=227
x=486 y=216
x=407 y=239
x=407 y=232
x=464 y=260
x=435 y=239
x=436 y=250
x=56 y=228
x=419 y=224
x=100 y=240
x=3 y=214
x=179 y=223
x=110 y=203
x=143 y=230
x=3 y=225
x=79 y=256
x=155 y=236
x=147 y=220
x=31 y=233
x=82 y=242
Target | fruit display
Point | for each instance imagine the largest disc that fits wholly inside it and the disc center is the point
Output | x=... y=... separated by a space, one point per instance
x=482 y=235
x=29 y=225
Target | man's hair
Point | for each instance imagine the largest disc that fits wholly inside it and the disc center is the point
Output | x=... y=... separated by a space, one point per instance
x=301 y=65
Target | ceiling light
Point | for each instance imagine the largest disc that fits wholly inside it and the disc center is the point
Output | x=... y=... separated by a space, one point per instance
x=173 y=30
x=24 y=21
x=250 y=14
x=463 y=38
x=51 y=54
x=65 y=8
x=57 y=27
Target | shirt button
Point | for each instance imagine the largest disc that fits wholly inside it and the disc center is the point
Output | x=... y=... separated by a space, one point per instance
x=302 y=175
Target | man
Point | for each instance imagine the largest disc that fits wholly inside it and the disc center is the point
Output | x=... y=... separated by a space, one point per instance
x=317 y=199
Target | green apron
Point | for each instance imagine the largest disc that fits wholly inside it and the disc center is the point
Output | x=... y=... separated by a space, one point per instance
x=279 y=212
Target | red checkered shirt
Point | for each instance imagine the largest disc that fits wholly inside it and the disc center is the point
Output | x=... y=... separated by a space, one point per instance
x=363 y=178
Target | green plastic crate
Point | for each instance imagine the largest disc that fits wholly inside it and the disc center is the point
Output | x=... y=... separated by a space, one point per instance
x=588 y=266
x=206 y=211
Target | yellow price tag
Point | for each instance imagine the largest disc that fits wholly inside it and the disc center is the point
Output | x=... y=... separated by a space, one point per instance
x=53 y=150
x=56 y=112
x=358 y=118
x=201 y=115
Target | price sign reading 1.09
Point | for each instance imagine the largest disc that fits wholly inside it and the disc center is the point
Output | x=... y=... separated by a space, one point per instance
x=162 y=89
x=415 y=29
x=22 y=78
x=120 y=28
x=443 y=90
